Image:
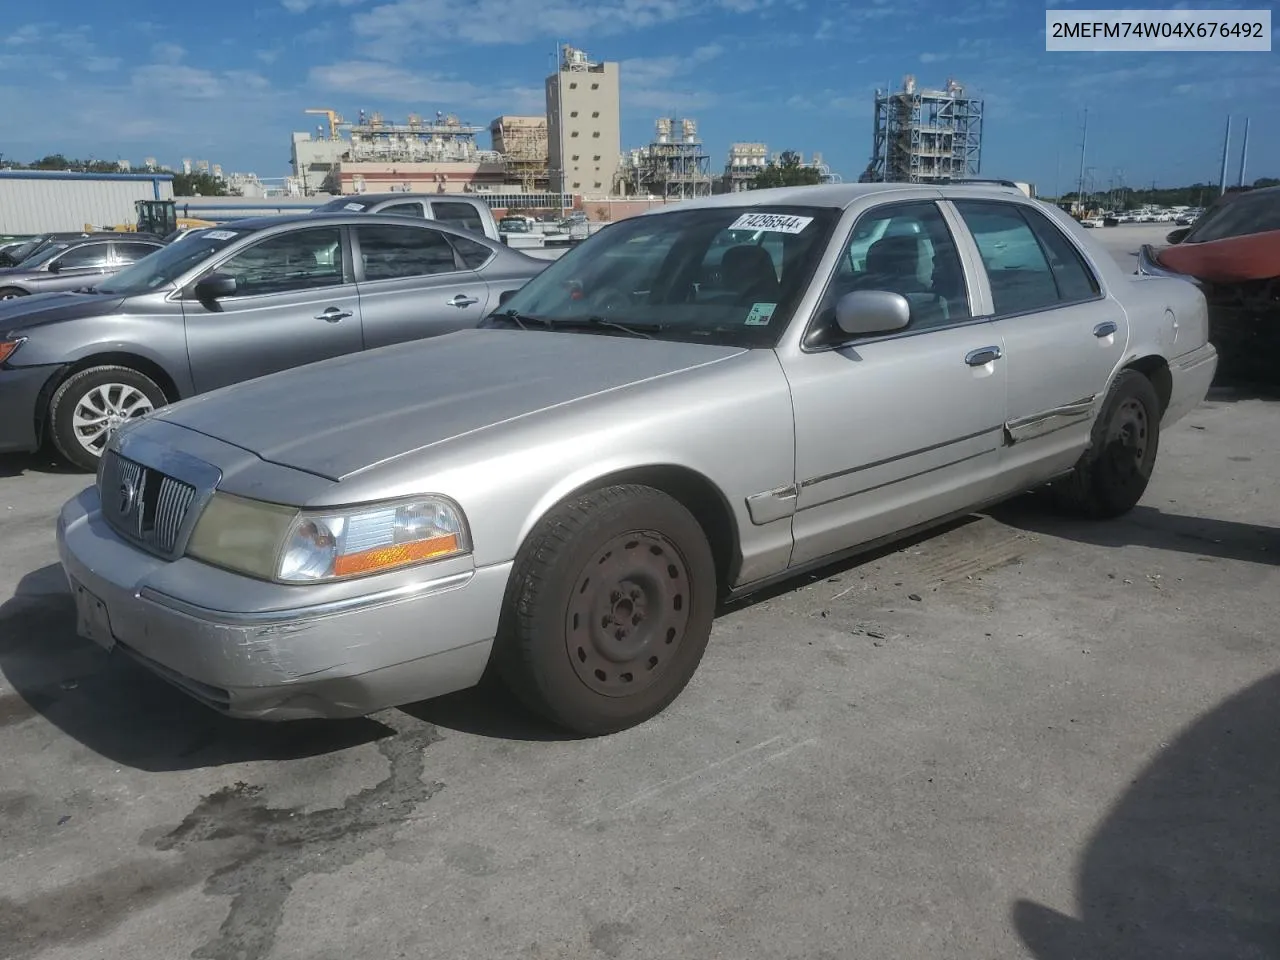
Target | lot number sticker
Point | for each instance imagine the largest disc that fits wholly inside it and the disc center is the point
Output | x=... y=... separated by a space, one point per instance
x=760 y=314
x=220 y=235
x=771 y=222
x=357 y=207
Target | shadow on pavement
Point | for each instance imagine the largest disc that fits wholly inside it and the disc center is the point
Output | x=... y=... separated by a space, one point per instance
x=122 y=712
x=1148 y=527
x=1187 y=863
x=487 y=710
x=17 y=464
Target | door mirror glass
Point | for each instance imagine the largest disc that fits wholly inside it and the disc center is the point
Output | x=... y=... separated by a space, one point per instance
x=1177 y=236
x=865 y=312
x=214 y=287
x=55 y=266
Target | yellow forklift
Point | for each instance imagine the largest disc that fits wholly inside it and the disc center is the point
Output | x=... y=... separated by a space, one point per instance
x=156 y=217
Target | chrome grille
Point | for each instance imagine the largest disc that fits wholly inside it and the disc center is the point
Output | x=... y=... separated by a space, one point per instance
x=142 y=503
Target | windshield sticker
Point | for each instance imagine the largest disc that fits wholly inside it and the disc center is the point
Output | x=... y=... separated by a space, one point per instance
x=220 y=235
x=357 y=207
x=771 y=222
x=760 y=314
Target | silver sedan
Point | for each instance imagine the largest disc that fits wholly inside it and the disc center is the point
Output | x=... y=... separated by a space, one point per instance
x=694 y=404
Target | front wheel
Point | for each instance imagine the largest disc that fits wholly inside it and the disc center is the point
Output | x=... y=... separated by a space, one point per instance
x=11 y=293
x=609 y=610
x=1114 y=472
x=89 y=405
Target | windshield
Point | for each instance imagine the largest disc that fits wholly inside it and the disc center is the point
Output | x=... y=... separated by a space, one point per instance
x=722 y=275
x=169 y=263
x=1240 y=216
x=44 y=255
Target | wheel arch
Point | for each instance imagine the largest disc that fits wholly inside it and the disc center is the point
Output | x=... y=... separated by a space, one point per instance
x=689 y=487
x=111 y=358
x=1156 y=369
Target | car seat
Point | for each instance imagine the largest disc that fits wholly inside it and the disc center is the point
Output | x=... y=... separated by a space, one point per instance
x=748 y=272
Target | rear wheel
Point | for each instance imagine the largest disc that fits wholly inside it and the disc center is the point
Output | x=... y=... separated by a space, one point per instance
x=10 y=293
x=1113 y=474
x=89 y=405
x=609 y=610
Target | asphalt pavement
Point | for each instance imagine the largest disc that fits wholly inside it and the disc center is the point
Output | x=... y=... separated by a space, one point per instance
x=1018 y=737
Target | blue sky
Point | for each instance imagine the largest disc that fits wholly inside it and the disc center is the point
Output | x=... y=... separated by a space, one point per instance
x=227 y=82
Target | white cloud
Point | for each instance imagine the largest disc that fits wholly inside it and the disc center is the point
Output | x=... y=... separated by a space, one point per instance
x=166 y=52
x=101 y=64
x=377 y=80
x=649 y=83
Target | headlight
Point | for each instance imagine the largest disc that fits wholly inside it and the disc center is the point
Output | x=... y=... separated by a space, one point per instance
x=284 y=544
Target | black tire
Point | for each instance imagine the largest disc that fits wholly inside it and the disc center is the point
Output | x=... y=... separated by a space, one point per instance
x=75 y=389
x=608 y=611
x=11 y=293
x=1113 y=473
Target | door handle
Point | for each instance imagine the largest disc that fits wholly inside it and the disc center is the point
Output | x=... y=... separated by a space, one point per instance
x=1105 y=329
x=982 y=356
x=462 y=300
x=333 y=314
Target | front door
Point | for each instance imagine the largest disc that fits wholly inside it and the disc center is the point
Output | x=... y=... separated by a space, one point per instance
x=897 y=430
x=82 y=265
x=295 y=303
x=1062 y=336
x=414 y=284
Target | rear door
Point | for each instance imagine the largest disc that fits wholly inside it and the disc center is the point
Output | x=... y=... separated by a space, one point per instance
x=295 y=303
x=1063 y=337
x=413 y=284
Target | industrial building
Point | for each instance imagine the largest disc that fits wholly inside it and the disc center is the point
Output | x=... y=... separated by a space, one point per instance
x=522 y=143
x=584 y=125
x=746 y=162
x=674 y=166
x=374 y=155
x=42 y=201
x=925 y=136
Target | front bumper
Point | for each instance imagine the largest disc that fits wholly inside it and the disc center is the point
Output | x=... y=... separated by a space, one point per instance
x=19 y=398
x=339 y=659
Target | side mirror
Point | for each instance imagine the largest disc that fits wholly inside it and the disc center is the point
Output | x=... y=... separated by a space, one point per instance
x=865 y=312
x=504 y=296
x=214 y=287
x=55 y=266
x=1177 y=236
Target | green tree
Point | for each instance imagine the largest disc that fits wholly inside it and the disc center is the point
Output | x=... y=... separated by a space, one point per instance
x=786 y=171
x=198 y=184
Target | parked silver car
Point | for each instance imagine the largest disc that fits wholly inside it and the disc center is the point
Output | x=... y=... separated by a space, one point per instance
x=69 y=264
x=224 y=305
x=657 y=421
x=454 y=210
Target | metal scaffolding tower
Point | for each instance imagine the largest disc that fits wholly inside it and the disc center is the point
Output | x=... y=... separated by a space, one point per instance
x=675 y=167
x=925 y=136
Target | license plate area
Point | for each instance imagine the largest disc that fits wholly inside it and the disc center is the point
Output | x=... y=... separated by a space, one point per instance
x=92 y=620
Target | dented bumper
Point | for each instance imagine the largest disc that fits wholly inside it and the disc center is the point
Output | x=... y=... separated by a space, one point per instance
x=337 y=659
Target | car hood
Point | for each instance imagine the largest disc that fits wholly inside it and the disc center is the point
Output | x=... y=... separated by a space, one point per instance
x=21 y=314
x=340 y=416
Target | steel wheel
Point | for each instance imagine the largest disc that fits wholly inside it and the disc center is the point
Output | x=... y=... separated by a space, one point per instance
x=627 y=613
x=1127 y=439
x=104 y=408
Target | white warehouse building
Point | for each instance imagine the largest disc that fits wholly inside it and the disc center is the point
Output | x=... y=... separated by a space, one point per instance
x=49 y=201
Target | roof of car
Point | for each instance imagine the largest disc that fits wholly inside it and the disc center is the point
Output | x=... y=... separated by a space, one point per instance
x=840 y=195
x=367 y=198
x=337 y=216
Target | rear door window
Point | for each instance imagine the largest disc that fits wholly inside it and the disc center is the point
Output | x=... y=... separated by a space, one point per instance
x=413 y=209
x=392 y=252
x=127 y=253
x=455 y=214
x=1021 y=279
